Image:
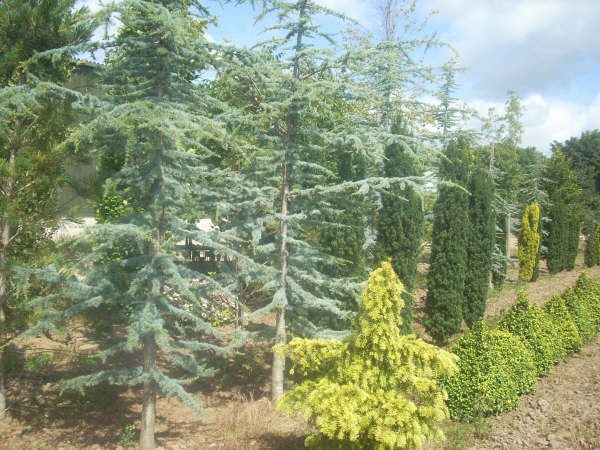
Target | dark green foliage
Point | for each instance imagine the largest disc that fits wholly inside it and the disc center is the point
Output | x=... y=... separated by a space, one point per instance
x=565 y=213
x=480 y=243
x=446 y=280
x=399 y=222
x=536 y=268
x=495 y=368
x=538 y=332
x=573 y=234
x=557 y=239
x=31 y=26
x=590 y=256
x=584 y=152
x=499 y=273
x=568 y=334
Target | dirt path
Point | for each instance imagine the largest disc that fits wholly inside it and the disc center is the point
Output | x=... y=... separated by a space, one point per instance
x=564 y=413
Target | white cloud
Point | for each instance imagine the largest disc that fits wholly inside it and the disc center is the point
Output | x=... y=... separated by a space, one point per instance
x=531 y=45
x=546 y=120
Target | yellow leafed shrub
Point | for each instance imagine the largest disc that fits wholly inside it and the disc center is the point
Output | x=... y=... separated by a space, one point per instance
x=529 y=241
x=377 y=389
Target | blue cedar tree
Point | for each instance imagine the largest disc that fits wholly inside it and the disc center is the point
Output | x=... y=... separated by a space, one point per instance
x=160 y=116
x=297 y=160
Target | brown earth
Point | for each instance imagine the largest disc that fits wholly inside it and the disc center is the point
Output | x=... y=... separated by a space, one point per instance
x=564 y=412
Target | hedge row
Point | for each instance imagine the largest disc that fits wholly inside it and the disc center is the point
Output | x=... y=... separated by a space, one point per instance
x=497 y=366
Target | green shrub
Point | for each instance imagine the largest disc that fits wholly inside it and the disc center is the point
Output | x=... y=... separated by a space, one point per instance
x=376 y=389
x=588 y=291
x=495 y=368
x=529 y=241
x=537 y=330
x=557 y=309
x=580 y=312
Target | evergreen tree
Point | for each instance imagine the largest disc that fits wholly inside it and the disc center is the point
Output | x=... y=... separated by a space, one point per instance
x=349 y=383
x=564 y=213
x=591 y=244
x=399 y=223
x=529 y=242
x=444 y=304
x=156 y=115
x=299 y=148
x=34 y=116
x=480 y=243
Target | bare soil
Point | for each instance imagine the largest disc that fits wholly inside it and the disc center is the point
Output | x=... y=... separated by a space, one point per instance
x=564 y=412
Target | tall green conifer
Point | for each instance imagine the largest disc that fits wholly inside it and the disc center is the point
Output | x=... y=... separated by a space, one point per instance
x=480 y=243
x=444 y=304
x=399 y=222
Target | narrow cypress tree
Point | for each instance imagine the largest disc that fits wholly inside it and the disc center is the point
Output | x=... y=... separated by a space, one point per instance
x=564 y=194
x=573 y=234
x=591 y=244
x=500 y=267
x=447 y=272
x=480 y=243
x=557 y=236
x=399 y=222
x=156 y=116
x=529 y=242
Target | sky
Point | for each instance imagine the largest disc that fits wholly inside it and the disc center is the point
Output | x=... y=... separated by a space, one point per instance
x=548 y=51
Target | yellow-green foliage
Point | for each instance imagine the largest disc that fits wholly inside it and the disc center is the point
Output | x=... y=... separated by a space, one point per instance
x=377 y=389
x=537 y=330
x=598 y=242
x=529 y=241
x=580 y=312
x=587 y=290
x=495 y=368
x=563 y=321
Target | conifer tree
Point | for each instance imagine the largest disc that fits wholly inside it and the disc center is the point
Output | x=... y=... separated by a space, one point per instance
x=444 y=304
x=529 y=241
x=399 y=223
x=564 y=213
x=156 y=115
x=349 y=384
x=591 y=244
x=480 y=243
x=298 y=147
x=35 y=114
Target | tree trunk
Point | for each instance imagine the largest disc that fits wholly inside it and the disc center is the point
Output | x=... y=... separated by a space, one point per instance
x=278 y=360
x=278 y=368
x=2 y=323
x=507 y=236
x=149 y=405
x=4 y=241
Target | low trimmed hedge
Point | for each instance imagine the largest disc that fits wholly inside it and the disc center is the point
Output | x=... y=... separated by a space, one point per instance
x=538 y=332
x=496 y=366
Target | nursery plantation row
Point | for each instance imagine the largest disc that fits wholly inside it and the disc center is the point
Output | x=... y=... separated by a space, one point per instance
x=176 y=201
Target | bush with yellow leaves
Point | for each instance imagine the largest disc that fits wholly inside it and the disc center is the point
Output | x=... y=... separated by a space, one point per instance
x=529 y=241
x=377 y=389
